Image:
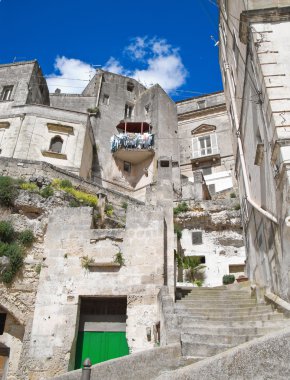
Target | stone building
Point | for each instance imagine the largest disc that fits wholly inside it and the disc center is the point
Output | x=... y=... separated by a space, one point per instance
x=114 y=132
x=254 y=55
x=211 y=230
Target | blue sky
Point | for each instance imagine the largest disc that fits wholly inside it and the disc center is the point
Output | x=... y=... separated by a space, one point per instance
x=165 y=41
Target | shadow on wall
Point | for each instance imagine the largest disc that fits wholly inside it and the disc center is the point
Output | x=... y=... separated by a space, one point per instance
x=134 y=173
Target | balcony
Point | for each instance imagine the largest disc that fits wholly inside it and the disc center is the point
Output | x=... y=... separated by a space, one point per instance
x=134 y=142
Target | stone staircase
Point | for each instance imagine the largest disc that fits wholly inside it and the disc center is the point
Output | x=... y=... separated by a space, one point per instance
x=212 y=320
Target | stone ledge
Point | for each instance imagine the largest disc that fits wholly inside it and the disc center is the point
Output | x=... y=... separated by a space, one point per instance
x=48 y=153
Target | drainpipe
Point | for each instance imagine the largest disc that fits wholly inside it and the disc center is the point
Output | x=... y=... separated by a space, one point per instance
x=99 y=91
x=19 y=130
x=240 y=145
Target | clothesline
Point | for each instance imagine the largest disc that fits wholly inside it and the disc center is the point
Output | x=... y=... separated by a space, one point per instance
x=132 y=141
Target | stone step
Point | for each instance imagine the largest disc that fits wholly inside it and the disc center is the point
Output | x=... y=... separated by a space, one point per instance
x=232 y=311
x=233 y=339
x=188 y=321
x=237 y=318
x=220 y=296
x=203 y=349
x=231 y=331
x=204 y=302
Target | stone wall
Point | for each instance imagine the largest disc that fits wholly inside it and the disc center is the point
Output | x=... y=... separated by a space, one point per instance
x=259 y=359
x=25 y=169
x=63 y=281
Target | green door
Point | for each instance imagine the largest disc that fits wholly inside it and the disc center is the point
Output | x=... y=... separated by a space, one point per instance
x=100 y=346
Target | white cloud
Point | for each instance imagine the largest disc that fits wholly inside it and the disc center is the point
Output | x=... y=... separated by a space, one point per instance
x=163 y=63
x=114 y=66
x=154 y=61
x=73 y=75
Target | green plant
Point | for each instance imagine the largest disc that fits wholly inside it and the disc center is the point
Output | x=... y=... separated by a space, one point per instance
x=233 y=195
x=65 y=183
x=178 y=231
x=109 y=209
x=87 y=261
x=94 y=110
x=82 y=197
x=228 y=279
x=8 y=191
x=7 y=233
x=125 y=205
x=119 y=259
x=181 y=207
x=237 y=207
x=46 y=192
x=29 y=186
x=26 y=238
x=74 y=203
x=14 y=252
x=65 y=256
x=194 y=269
x=179 y=260
x=198 y=283
x=38 y=268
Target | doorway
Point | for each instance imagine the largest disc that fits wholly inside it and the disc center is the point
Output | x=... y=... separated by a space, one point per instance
x=102 y=330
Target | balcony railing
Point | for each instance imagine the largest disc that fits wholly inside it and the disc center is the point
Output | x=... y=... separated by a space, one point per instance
x=131 y=141
x=132 y=147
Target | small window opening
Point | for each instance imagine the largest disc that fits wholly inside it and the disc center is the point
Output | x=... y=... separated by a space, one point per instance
x=106 y=99
x=6 y=93
x=207 y=171
x=201 y=104
x=130 y=86
x=56 y=144
x=147 y=109
x=164 y=164
x=196 y=237
x=127 y=167
x=128 y=111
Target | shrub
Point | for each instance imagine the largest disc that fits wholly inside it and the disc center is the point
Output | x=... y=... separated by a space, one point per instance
x=228 y=279
x=26 y=238
x=15 y=254
x=29 y=186
x=38 y=268
x=125 y=205
x=181 y=207
x=178 y=231
x=46 y=192
x=81 y=196
x=65 y=183
x=74 y=203
x=8 y=191
x=233 y=195
x=109 y=209
x=194 y=270
x=119 y=259
x=237 y=207
x=198 y=283
x=86 y=262
x=7 y=233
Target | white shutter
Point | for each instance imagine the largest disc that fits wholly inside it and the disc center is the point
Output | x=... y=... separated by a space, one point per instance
x=195 y=147
x=214 y=144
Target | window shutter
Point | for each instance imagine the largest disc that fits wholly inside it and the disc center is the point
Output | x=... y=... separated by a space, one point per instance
x=214 y=145
x=195 y=147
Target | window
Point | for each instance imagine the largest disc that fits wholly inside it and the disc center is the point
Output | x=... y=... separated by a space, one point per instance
x=164 y=164
x=201 y=104
x=6 y=93
x=127 y=167
x=130 y=86
x=196 y=237
x=128 y=111
x=205 y=145
x=211 y=189
x=56 y=144
x=207 y=171
x=106 y=99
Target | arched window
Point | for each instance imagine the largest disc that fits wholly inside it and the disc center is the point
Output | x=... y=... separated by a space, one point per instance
x=56 y=144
